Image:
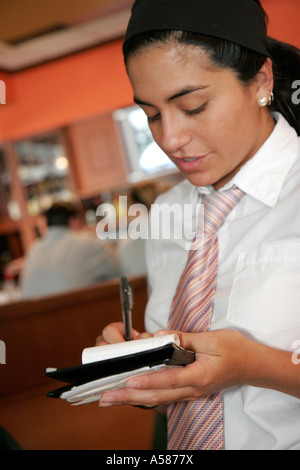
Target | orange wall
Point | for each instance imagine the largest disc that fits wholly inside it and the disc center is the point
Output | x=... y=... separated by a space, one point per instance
x=94 y=82
x=60 y=92
x=284 y=17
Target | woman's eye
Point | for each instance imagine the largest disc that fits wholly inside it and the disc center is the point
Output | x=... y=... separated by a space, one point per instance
x=153 y=118
x=191 y=112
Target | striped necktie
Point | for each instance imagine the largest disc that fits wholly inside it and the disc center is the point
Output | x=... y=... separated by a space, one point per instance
x=199 y=424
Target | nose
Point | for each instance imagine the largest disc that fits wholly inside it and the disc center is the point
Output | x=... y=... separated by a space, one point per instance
x=174 y=135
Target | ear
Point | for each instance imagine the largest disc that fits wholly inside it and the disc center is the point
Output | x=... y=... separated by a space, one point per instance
x=264 y=80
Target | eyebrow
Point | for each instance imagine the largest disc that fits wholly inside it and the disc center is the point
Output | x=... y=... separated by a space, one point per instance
x=185 y=91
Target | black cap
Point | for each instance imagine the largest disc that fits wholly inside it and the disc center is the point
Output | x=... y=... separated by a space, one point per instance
x=242 y=22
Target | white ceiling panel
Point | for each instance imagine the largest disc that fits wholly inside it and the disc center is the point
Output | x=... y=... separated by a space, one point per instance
x=88 y=30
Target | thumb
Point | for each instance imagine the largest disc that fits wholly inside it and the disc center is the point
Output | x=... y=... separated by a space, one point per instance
x=165 y=332
x=170 y=332
x=201 y=342
x=187 y=340
x=197 y=342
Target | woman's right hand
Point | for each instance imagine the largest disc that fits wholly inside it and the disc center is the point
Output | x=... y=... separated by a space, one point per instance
x=114 y=333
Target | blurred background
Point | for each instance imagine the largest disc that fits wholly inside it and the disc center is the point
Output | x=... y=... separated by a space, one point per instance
x=69 y=129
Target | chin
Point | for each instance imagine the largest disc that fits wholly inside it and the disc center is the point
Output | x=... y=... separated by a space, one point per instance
x=199 y=180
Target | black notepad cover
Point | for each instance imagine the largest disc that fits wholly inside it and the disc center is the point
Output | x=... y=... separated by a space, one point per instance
x=170 y=354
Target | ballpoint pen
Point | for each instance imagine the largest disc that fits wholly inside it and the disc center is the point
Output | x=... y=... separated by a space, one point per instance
x=126 y=294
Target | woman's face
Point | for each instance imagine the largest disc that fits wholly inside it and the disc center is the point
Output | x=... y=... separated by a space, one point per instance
x=201 y=116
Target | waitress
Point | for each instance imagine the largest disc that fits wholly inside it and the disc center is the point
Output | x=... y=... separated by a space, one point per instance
x=202 y=72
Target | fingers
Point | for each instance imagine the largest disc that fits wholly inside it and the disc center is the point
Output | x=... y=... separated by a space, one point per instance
x=146 y=398
x=156 y=388
x=142 y=335
x=216 y=366
x=162 y=387
x=100 y=341
x=177 y=377
x=174 y=384
x=204 y=342
x=114 y=333
x=199 y=342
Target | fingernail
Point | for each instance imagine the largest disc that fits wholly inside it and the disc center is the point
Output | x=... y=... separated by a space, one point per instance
x=161 y=333
x=107 y=400
x=104 y=405
x=133 y=383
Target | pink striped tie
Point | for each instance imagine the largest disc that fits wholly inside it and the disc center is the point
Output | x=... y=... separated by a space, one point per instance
x=199 y=424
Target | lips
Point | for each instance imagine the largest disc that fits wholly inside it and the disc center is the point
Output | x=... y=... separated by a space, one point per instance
x=191 y=159
x=189 y=163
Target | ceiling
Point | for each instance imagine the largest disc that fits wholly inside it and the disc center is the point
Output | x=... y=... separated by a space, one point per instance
x=34 y=31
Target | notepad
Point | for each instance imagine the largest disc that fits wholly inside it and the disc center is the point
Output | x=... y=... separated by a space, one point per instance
x=91 y=391
x=111 y=351
x=108 y=367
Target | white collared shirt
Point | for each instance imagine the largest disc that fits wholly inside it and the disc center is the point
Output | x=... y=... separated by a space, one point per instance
x=258 y=284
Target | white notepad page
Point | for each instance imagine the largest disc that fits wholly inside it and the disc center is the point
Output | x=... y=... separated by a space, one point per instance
x=109 y=351
x=91 y=391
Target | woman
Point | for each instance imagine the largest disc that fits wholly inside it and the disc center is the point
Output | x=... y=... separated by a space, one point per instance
x=202 y=72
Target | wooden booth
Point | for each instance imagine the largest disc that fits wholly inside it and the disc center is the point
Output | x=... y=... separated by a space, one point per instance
x=52 y=332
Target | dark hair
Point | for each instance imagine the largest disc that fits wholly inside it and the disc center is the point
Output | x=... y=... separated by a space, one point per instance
x=245 y=63
x=286 y=67
x=223 y=53
x=60 y=213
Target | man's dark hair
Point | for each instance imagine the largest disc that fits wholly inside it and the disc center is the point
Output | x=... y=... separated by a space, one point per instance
x=60 y=213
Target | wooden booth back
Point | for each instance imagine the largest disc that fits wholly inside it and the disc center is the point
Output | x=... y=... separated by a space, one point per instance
x=52 y=332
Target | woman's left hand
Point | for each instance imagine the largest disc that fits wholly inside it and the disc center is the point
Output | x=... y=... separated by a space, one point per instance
x=223 y=358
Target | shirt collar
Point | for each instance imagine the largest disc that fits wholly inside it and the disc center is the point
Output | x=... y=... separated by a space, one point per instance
x=263 y=176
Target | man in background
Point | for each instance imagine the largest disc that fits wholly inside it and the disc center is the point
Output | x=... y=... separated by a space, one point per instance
x=66 y=258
